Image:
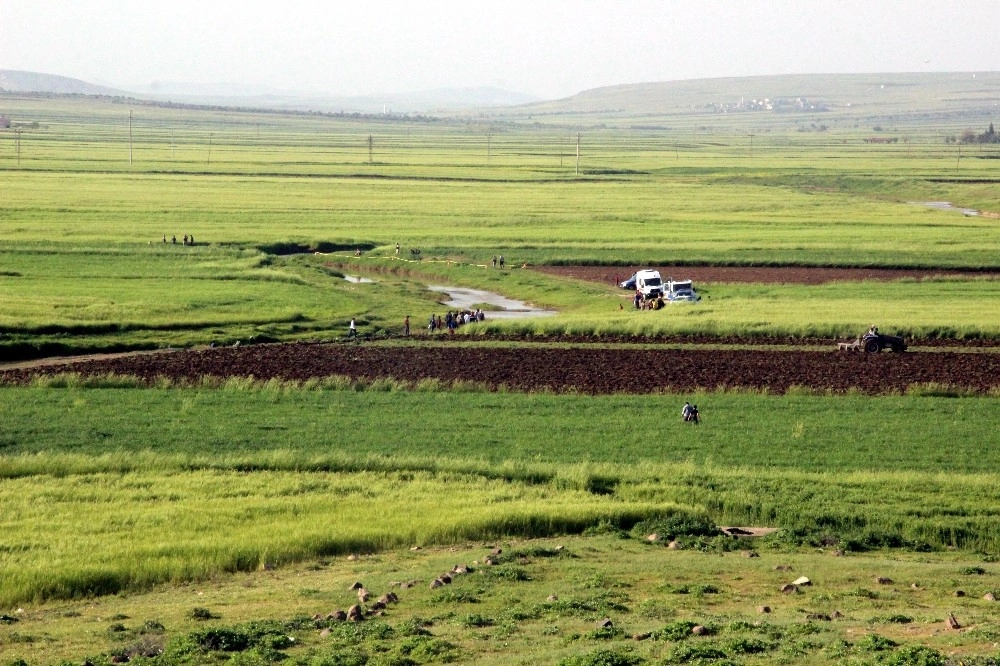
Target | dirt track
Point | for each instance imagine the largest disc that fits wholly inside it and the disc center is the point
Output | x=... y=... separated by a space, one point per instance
x=754 y=274
x=590 y=370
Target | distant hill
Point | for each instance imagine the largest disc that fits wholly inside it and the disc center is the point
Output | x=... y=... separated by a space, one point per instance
x=881 y=93
x=27 y=82
x=426 y=101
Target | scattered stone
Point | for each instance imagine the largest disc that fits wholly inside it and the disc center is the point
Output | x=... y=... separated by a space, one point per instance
x=989 y=596
x=496 y=551
x=952 y=622
x=489 y=561
x=436 y=584
x=445 y=578
x=459 y=569
x=959 y=593
x=378 y=605
x=818 y=616
x=414 y=548
x=673 y=545
x=641 y=637
x=395 y=583
x=763 y=609
x=837 y=552
x=782 y=567
x=119 y=659
x=352 y=558
x=355 y=613
x=413 y=583
x=392 y=598
x=914 y=586
x=881 y=580
x=605 y=623
x=523 y=560
x=356 y=586
x=789 y=588
x=749 y=553
x=652 y=538
x=836 y=615
x=339 y=616
x=552 y=597
x=560 y=548
x=698 y=630
x=317 y=616
x=801 y=580
x=324 y=633
x=363 y=595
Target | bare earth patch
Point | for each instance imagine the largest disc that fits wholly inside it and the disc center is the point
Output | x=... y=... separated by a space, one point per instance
x=757 y=274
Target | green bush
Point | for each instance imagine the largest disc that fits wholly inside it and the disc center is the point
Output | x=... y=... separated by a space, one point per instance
x=603 y=657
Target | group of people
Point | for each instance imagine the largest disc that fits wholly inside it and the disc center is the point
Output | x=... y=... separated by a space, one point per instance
x=453 y=320
x=188 y=240
x=500 y=260
x=690 y=413
x=643 y=303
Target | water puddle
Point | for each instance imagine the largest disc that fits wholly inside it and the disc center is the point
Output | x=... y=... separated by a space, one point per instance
x=359 y=280
x=466 y=299
x=945 y=205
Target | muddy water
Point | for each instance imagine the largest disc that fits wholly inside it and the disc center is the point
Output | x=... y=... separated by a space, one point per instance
x=946 y=205
x=467 y=299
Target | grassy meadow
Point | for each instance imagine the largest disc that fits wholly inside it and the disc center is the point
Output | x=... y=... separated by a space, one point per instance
x=185 y=518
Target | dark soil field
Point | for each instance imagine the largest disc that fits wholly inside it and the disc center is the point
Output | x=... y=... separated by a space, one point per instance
x=755 y=274
x=588 y=369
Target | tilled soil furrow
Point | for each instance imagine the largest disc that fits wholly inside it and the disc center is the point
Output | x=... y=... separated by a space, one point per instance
x=590 y=370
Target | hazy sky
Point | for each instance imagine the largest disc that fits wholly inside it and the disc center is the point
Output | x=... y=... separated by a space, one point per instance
x=549 y=48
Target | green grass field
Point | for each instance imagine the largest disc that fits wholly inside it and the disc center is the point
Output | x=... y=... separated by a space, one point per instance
x=244 y=500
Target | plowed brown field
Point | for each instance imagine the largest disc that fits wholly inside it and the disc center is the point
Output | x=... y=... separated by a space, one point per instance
x=586 y=369
x=757 y=274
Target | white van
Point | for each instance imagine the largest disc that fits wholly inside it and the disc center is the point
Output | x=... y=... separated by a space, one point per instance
x=649 y=283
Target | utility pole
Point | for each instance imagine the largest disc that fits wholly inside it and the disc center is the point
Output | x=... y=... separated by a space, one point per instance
x=751 y=144
x=578 y=153
x=130 y=136
x=370 y=142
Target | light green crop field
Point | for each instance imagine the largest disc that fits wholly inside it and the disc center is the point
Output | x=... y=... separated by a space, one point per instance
x=83 y=266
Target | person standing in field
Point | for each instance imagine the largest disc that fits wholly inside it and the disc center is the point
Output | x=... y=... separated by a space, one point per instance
x=352 y=330
x=494 y=261
x=501 y=262
x=397 y=248
x=406 y=325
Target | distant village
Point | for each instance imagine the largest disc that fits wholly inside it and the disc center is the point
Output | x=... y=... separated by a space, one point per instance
x=779 y=105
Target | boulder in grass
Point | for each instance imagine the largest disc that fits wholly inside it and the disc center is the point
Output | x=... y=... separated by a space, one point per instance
x=363 y=595
x=641 y=637
x=445 y=578
x=952 y=622
x=355 y=613
x=674 y=545
x=989 y=596
x=789 y=588
x=324 y=633
x=392 y=598
x=356 y=585
x=801 y=580
x=763 y=609
x=496 y=552
x=882 y=580
x=698 y=630
x=339 y=616
x=377 y=606
x=552 y=597
x=435 y=584
x=604 y=623
x=749 y=553
x=652 y=538
x=959 y=593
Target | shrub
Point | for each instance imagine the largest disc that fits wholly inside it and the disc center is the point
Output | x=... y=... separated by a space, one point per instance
x=916 y=655
x=677 y=524
x=603 y=657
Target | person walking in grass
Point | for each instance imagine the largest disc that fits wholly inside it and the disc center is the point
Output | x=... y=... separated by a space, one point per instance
x=501 y=262
x=352 y=329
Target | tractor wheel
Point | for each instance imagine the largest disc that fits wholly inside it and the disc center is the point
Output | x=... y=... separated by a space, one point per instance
x=873 y=347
